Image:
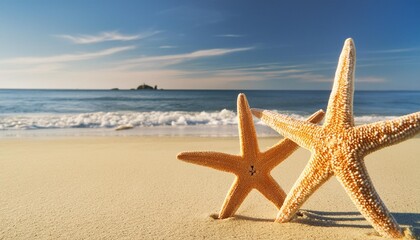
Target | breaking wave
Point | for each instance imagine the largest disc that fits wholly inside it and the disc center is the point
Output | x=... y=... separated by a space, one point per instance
x=135 y=119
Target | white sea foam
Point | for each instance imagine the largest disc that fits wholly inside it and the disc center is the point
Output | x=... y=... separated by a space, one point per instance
x=115 y=119
x=135 y=119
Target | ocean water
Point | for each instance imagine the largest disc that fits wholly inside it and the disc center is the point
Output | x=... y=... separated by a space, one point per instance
x=174 y=112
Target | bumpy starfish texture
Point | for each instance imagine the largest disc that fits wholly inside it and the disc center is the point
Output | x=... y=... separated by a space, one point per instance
x=338 y=148
x=252 y=167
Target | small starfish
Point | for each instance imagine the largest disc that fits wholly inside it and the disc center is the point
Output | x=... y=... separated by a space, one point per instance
x=338 y=148
x=252 y=168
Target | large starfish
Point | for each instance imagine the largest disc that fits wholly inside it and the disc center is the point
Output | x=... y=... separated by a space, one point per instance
x=338 y=148
x=252 y=168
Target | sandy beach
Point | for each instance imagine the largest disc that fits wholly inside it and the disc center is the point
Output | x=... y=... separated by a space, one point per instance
x=135 y=188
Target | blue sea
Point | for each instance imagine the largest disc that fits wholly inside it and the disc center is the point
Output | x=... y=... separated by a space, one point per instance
x=174 y=112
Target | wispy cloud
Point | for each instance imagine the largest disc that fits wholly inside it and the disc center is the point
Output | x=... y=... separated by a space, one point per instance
x=397 y=50
x=310 y=77
x=106 y=36
x=370 y=79
x=320 y=78
x=66 y=57
x=230 y=35
x=257 y=72
x=166 y=60
x=167 y=46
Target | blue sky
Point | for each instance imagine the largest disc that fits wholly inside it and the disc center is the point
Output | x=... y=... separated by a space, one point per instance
x=207 y=44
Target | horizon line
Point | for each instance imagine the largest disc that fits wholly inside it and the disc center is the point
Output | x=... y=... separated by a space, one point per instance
x=202 y=89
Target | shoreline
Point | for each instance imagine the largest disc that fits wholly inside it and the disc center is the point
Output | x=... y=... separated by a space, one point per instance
x=152 y=131
x=134 y=187
x=223 y=131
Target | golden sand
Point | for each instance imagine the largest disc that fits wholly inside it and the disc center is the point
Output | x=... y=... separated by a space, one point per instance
x=135 y=188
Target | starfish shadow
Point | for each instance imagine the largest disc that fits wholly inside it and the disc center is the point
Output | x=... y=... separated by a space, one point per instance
x=336 y=219
x=330 y=219
x=344 y=219
x=410 y=219
x=331 y=216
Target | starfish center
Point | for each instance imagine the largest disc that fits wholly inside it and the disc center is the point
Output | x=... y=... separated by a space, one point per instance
x=339 y=149
x=252 y=171
x=333 y=144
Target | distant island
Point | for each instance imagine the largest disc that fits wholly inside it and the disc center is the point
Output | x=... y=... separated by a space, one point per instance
x=144 y=86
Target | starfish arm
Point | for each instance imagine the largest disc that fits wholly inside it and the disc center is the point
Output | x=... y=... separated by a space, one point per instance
x=300 y=132
x=278 y=153
x=359 y=187
x=313 y=176
x=382 y=134
x=340 y=104
x=272 y=191
x=220 y=161
x=234 y=198
x=247 y=134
